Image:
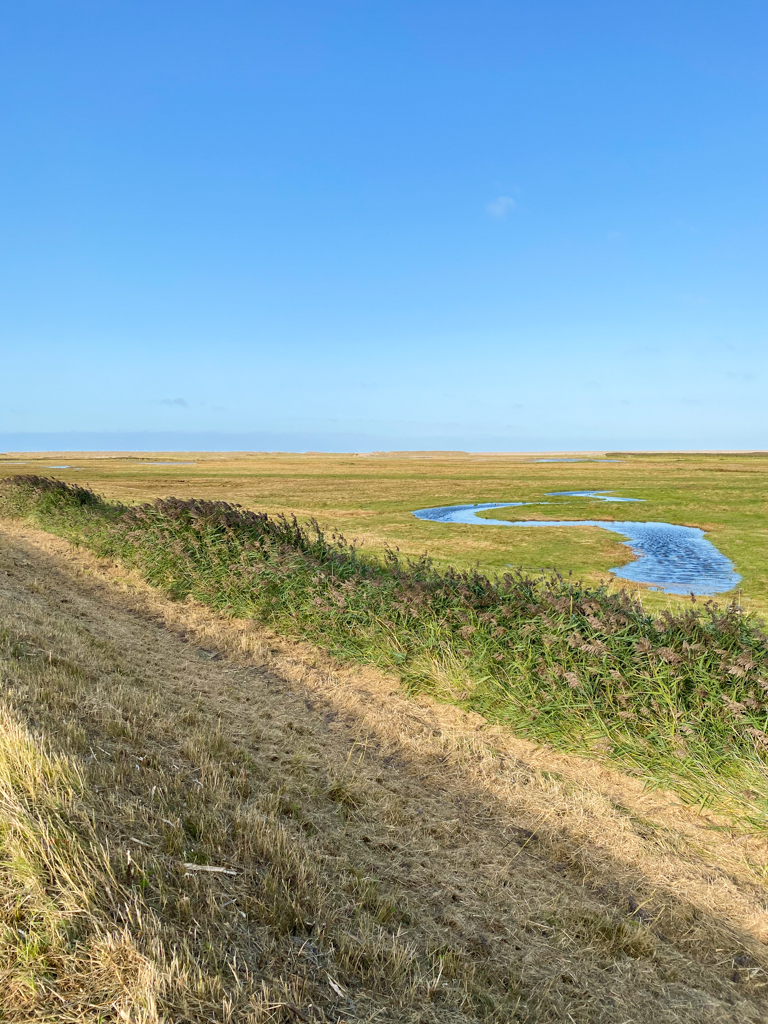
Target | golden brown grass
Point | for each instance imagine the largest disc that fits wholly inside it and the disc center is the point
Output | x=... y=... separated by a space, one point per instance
x=394 y=860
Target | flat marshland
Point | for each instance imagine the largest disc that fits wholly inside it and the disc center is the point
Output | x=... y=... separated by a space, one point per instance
x=190 y=687
x=371 y=497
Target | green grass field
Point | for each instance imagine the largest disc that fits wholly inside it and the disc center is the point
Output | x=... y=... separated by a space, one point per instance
x=371 y=498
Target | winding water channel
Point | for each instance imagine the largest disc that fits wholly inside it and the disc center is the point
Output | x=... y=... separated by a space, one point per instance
x=675 y=559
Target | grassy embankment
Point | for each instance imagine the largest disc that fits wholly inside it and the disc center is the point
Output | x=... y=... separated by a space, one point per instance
x=679 y=700
x=380 y=860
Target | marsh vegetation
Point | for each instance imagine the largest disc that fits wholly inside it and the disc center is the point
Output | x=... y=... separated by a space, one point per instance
x=681 y=699
x=370 y=498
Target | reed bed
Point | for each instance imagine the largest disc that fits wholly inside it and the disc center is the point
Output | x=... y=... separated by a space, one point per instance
x=679 y=699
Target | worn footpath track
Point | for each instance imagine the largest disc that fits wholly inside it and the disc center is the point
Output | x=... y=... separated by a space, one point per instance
x=595 y=899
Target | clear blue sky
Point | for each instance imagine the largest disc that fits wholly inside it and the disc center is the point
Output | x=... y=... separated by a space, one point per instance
x=350 y=225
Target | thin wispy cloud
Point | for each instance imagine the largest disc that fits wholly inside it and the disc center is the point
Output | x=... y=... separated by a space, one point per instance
x=500 y=207
x=174 y=401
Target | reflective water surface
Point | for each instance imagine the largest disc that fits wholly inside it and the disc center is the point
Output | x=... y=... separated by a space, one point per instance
x=600 y=495
x=675 y=559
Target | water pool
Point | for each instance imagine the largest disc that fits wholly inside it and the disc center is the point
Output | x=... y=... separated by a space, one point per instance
x=599 y=495
x=675 y=559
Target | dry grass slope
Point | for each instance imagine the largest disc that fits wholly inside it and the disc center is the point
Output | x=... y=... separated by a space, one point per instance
x=383 y=859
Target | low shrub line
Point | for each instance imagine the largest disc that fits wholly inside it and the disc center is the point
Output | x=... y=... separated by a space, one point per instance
x=679 y=699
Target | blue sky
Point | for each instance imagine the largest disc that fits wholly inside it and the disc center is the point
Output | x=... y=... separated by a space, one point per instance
x=355 y=225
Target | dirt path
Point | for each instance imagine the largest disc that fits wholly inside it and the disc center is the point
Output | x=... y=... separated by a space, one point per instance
x=607 y=902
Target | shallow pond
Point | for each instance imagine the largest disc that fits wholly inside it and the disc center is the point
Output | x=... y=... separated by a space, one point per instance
x=675 y=559
x=600 y=495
